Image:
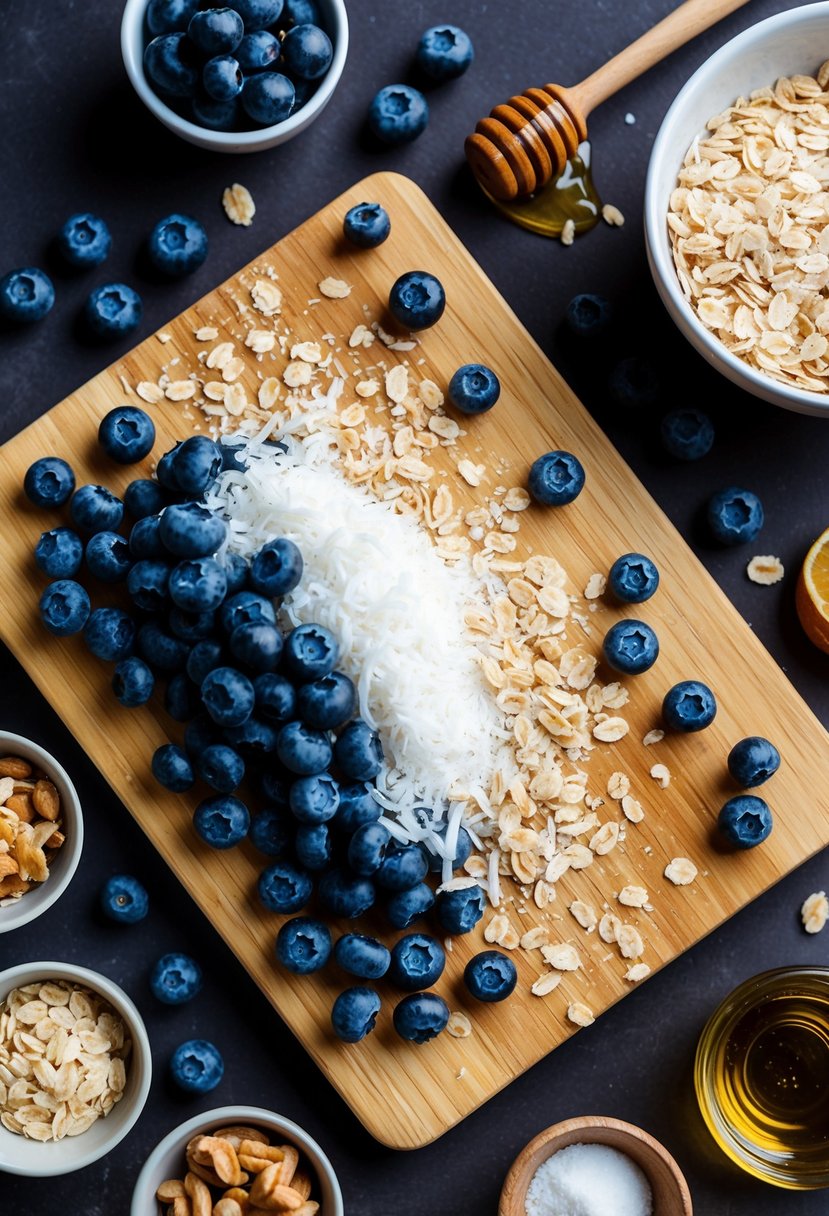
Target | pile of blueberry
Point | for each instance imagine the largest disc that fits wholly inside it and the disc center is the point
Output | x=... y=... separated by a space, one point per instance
x=250 y=64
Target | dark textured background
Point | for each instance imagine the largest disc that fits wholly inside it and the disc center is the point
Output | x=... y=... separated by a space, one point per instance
x=75 y=138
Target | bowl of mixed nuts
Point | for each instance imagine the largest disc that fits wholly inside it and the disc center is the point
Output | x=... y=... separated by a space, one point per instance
x=41 y=830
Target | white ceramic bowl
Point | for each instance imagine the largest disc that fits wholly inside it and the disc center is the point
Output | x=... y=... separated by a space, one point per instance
x=133 y=40
x=38 y=899
x=167 y=1158
x=794 y=41
x=43 y=1160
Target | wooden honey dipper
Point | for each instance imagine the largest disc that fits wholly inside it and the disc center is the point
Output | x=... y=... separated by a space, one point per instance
x=526 y=143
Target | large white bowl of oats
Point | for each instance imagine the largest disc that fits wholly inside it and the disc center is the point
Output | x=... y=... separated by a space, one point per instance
x=737 y=210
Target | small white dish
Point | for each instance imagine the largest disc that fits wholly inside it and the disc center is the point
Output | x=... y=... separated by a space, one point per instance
x=36 y=1159
x=167 y=1159
x=35 y=901
x=133 y=41
x=794 y=41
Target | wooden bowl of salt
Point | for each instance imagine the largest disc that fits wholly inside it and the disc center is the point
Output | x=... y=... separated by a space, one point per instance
x=644 y=1181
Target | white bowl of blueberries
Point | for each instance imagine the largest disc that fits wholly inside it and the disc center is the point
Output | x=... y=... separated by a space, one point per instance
x=239 y=78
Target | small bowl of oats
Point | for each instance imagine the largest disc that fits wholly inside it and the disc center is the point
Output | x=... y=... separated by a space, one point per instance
x=737 y=210
x=75 y=1068
x=41 y=830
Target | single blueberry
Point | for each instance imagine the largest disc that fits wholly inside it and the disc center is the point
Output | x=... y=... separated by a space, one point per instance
x=165 y=469
x=133 y=682
x=420 y=1017
x=169 y=16
x=84 y=240
x=633 y=578
x=444 y=52
x=303 y=945
x=354 y=1014
x=315 y=799
x=175 y=978
x=367 y=848
x=196 y=463
x=303 y=751
x=170 y=63
x=630 y=647
x=147 y=584
x=406 y=907
x=256 y=740
x=270 y=831
x=109 y=634
x=64 y=607
x=689 y=706
x=26 y=295
x=752 y=761
x=735 y=516
x=687 y=434
x=459 y=911
x=243 y=608
x=397 y=115
x=357 y=807
x=49 y=482
x=362 y=956
x=145 y=538
x=257 y=14
x=257 y=645
x=745 y=821
x=474 y=388
x=268 y=98
x=221 y=821
x=222 y=78
x=59 y=553
x=417 y=962
x=189 y=529
x=108 y=557
x=588 y=315
x=181 y=698
x=124 y=900
x=257 y=51
x=555 y=479
x=277 y=568
x=113 y=310
x=367 y=225
x=307 y=52
x=216 y=31
x=284 y=888
x=198 y=585
x=96 y=509
x=327 y=703
x=177 y=245
x=144 y=497
x=236 y=572
x=311 y=652
x=172 y=768
x=634 y=382
x=228 y=696
x=345 y=894
x=417 y=300
x=160 y=649
x=197 y=1066
x=490 y=976
x=313 y=846
x=275 y=697
x=402 y=868
x=358 y=751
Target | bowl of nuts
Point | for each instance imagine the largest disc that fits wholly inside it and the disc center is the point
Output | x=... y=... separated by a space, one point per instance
x=735 y=210
x=41 y=830
x=235 y=1159
x=75 y=1068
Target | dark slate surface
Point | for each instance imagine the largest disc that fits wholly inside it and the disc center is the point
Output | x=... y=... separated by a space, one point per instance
x=74 y=138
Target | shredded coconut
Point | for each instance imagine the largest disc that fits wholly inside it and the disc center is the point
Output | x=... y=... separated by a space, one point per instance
x=589 y=1180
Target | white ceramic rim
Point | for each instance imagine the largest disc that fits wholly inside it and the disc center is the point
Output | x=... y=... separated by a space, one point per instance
x=132 y=52
x=143 y=1195
x=33 y=903
x=26 y=973
x=660 y=258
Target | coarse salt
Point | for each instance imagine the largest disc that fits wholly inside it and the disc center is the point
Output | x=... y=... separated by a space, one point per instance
x=589 y=1180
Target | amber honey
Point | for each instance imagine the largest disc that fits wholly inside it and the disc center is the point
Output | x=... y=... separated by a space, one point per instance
x=762 y=1076
x=571 y=196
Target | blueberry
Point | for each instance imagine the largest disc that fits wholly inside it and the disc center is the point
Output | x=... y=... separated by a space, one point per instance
x=222 y=78
x=145 y=538
x=345 y=894
x=200 y=733
x=303 y=751
x=170 y=62
x=397 y=115
x=459 y=911
x=357 y=807
x=463 y=847
x=417 y=300
x=216 y=31
x=588 y=315
x=160 y=649
x=313 y=846
x=745 y=821
x=215 y=115
x=404 y=908
x=181 y=698
x=358 y=751
x=258 y=645
x=257 y=14
x=354 y=1014
x=84 y=240
x=444 y=52
x=277 y=568
x=307 y=52
x=367 y=225
x=555 y=479
x=109 y=634
x=175 y=978
x=96 y=509
x=126 y=434
x=420 y=1017
x=113 y=310
x=735 y=516
x=172 y=768
x=165 y=469
x=206 y=656
x=270 y=831
x=275 y=697
x=633 y=578
x=196 y=464
x=630 y=647
x=327 y=703
x=123 y=899
x=474 y=388
x=367 y=848
x=221 y=821
x=147 y=584
x=490 y=976
x=689 y=706
x=177 y=245
x=191 y=626
x=228 y=696
x=168 y=16
x=108 y=557
x=236 y=572
x=303 y=945
x=634 y=382
x=417 y=962
x=197 y=1066
x=188 y=529
x=315 y=799
x=403 y=869
x=133 y=682
x=752 y=761
x=300 y=12
x=284 y=888
x=311 y=652
x=144 y=497
x=687 y=434
x=254 y=739
x=244 y=608
x=269 y=98
x=49 y=482
x=362 y=956
x=64 y=607
x=59 y=553
x=198 y=585
x=26 y=295
x=257 y=51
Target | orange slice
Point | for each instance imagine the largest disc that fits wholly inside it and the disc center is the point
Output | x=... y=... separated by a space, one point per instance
x=812 y=595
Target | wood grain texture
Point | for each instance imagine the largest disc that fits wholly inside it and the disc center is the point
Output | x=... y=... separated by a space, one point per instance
x=406 y=1095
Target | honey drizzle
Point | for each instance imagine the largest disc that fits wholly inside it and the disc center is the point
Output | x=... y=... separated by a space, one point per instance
x=571 y=196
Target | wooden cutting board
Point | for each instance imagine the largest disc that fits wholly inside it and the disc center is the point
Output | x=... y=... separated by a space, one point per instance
x=404 y=1094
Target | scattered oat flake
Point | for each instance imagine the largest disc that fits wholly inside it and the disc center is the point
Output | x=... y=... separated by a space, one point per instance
x=164 y=338
x=260 y=340
x=568 y=232
x=459 y=1026
x=238 y=204
x=595 y=587
x=630 y=941
x=397 y=383
x=609 y=927
x=308 y=352
x=610 y=730
x=584 y=914
x=765 y=570
x=180 y=390
x=335 y=289
x=633 y=897
x=266 y=296
x=639 y=971
x=814 y=912
x=661 y=775
x=471 y=473
x=149 y=392
x=653 y=736
x=612 y=215
x=562 y=956
x=546 y=983
x=367 y=388
x=206 y=333
x=618 y=784
x=681 y=871
x=632 y=809
x=297 y=374
x=579 y=1013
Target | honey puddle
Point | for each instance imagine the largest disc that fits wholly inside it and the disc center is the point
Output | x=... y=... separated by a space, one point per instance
x=572 y=196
